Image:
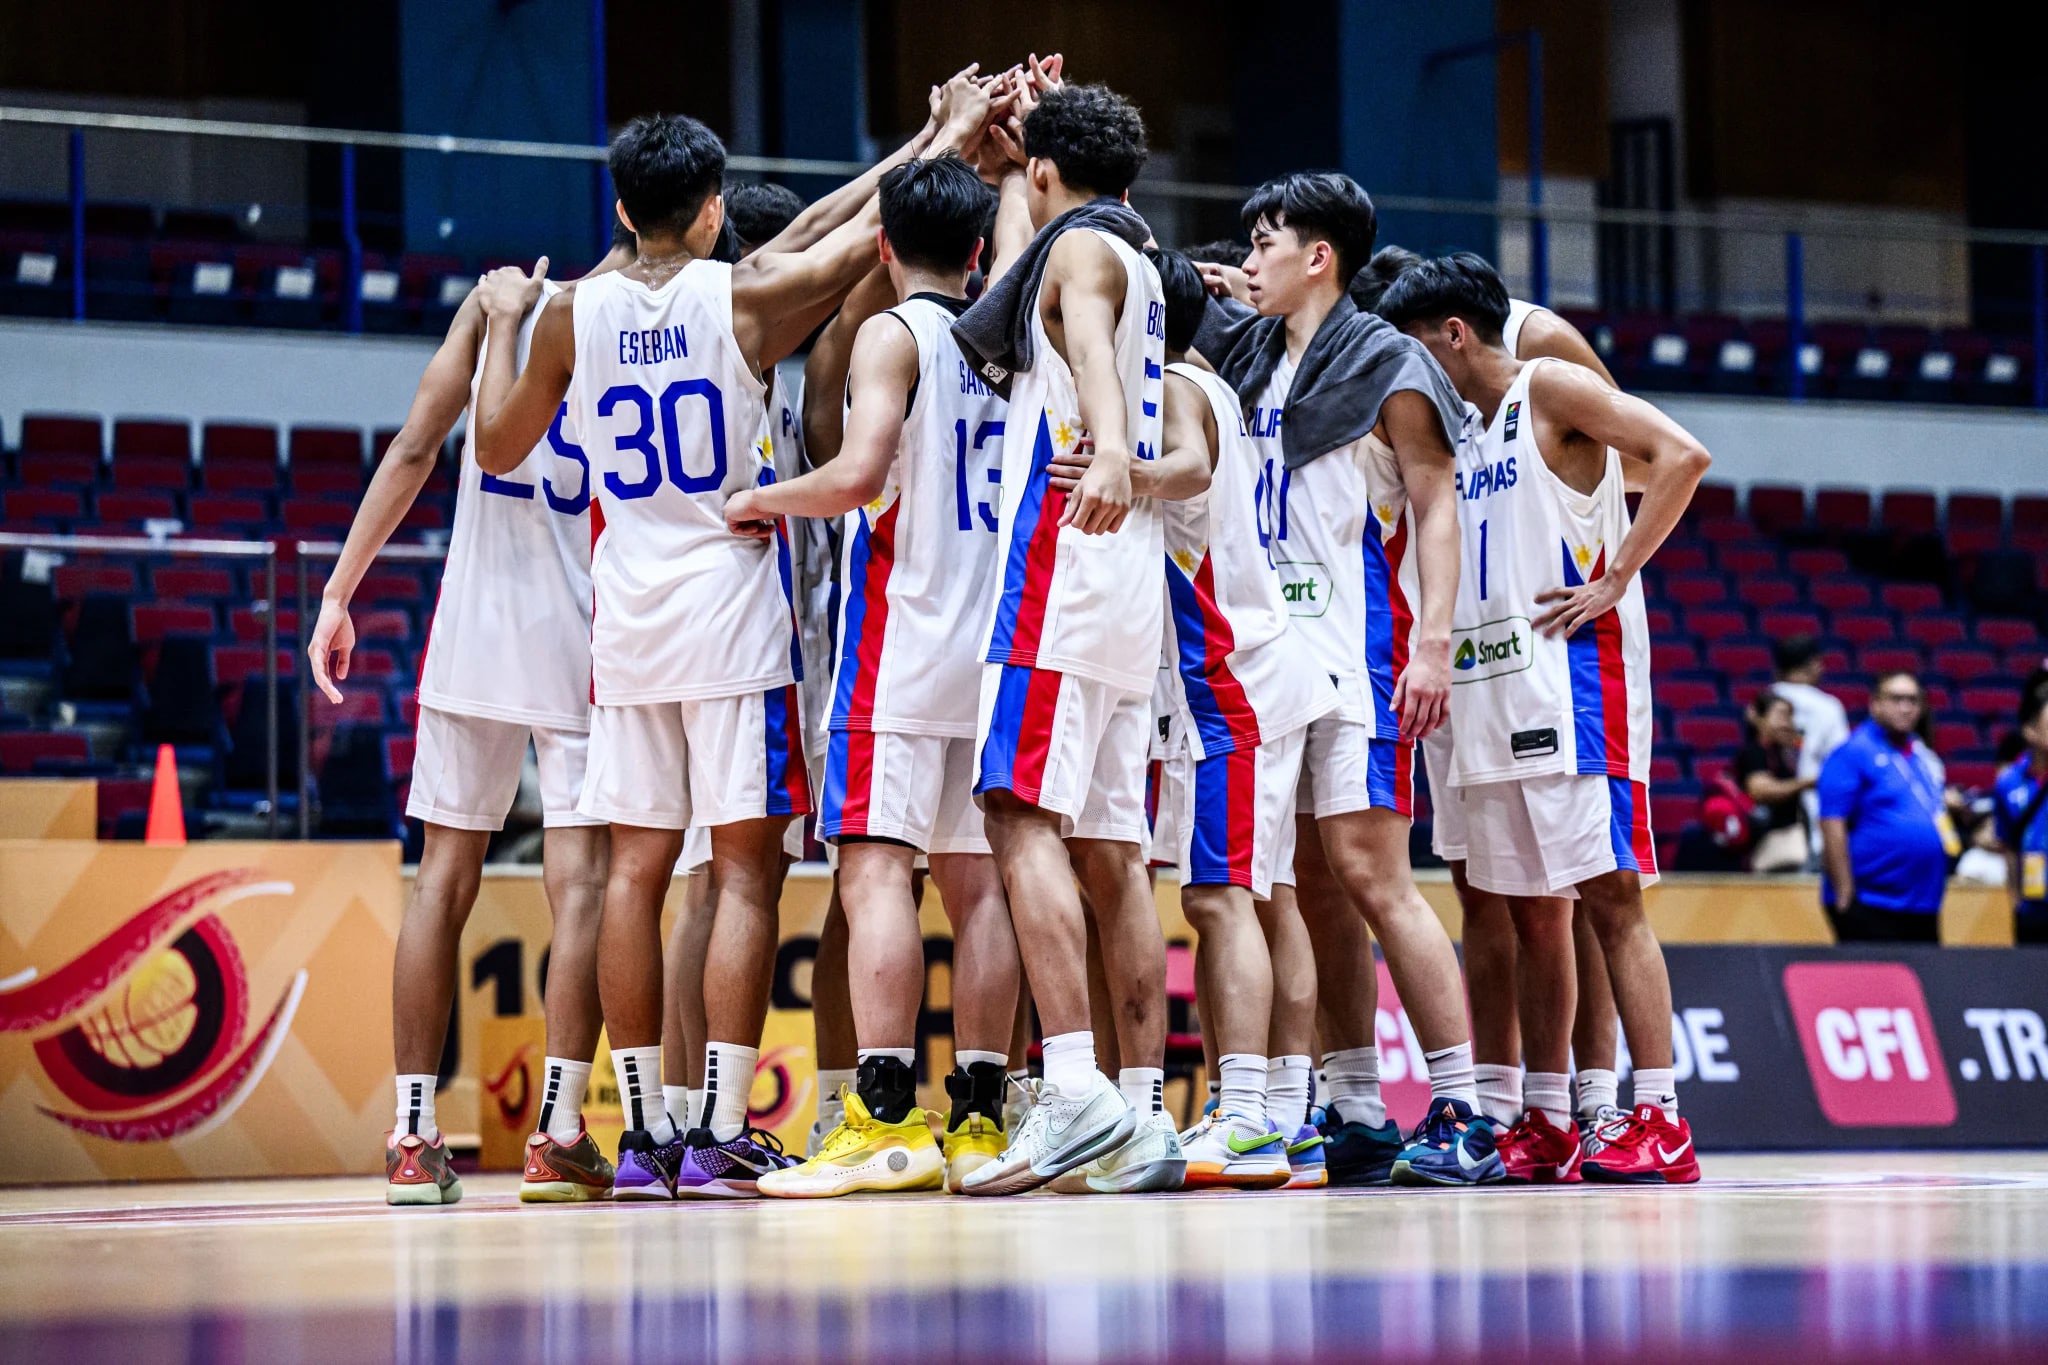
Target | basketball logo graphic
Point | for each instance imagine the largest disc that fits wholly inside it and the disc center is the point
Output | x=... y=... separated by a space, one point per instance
x=512 y=1088
x=785 y=1095
x=147 y=1033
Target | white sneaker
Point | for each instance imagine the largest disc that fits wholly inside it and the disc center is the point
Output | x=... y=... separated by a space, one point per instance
x=1148 y=1162
x=1061 y=1132
x=1230 y=1152
x=1017 y=1101
x=1591 y=1144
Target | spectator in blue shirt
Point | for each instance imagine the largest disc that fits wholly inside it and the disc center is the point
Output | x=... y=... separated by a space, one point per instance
x=1887 y=834
x=2020 y=812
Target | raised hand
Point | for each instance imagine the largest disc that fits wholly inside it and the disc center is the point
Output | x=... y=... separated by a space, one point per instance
x=509 y=291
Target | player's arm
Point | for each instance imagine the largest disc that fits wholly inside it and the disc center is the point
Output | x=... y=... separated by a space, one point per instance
x=831 y=355
x=883 y=373
x=514 y=411
x=404 y=469
x=1580 y=401
x=1084 y=280
x=1544 y=333
x=1013 y=224
x=1422 y=694
x=1189 y=441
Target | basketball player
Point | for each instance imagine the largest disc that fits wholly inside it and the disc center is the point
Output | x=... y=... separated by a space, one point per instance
x=1356 y=428
x=1552 y=744
x=1073 y=330
x=1531 y=333
x=670 y=352
x=1244 y=688
x=508 y=663
x=899 y=768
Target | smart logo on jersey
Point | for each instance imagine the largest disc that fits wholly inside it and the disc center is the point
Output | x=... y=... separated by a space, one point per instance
x=148 y=1033
x=1305 y=583
x=1492 y=650
x=1870 y=1044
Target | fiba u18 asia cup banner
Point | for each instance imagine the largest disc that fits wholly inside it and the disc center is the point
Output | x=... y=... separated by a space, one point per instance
x=218 y=1010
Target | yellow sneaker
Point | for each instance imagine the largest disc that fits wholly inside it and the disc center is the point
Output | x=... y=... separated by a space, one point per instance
x=865 y=1154
x=971 y=1146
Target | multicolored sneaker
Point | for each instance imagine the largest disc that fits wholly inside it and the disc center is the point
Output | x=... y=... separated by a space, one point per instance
x=647 y=1169
x=1644 y=1148
x=1590 y=1129
x=564 y=1172
x=728 y=1170
x=1307 y=1167
x=977 y=1141
x=1453 y=1145
x=1150 y=1161
x=416 y=1171
x=863 y=1153
x=1061 y=1132
x=1231 y=1152
x=1537 y=1152
x=1357 y=1154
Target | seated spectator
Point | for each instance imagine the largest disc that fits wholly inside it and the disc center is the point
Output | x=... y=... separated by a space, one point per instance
x=1768 y=768
x=1820 y=718
x=1887 y=832
x=2021 y=814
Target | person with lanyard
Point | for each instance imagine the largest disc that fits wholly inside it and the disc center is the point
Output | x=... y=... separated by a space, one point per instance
x=1887 y=837
x=2020 y=812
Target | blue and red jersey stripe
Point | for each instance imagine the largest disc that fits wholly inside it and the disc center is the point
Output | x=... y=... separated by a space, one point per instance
x=1225 y=817
x=849 y=783
x=1222 y=713
x=1628 y=826
x=1599 y=682
x=1028 y=562
x=785 y=572
x=789 y=785
x=865 y=608
x=1019 y=742
x=1389 y=618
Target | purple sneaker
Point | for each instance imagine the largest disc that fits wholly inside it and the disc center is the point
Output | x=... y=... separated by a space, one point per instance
x=727 y=1170
x=647 y=1170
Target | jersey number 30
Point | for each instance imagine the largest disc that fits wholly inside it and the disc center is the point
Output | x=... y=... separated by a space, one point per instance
x=668 y=458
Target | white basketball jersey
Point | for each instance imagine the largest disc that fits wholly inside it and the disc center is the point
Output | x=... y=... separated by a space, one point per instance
x=920 y=560
x=672 y=418
x=811 y=544
x=1341 y=536
x=510 y=638
x=1511 y=334
x=1068 y=602
x=1245 y=676
x=1528 y=705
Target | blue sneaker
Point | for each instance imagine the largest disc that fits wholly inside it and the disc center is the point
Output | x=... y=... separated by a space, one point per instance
x=1452 y=1146
x=1356 y=1154
x=1307 y=1167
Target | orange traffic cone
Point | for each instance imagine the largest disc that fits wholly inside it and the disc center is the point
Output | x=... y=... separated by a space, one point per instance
x=166 y=806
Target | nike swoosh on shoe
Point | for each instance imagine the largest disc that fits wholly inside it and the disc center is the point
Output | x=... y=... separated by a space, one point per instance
x=1675 y=1153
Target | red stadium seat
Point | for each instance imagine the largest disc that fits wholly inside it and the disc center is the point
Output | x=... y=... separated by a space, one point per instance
x=1840 y=594
x=1912 y=512
x=73 y=581
x=1817 y=563
x=425 y=516
x=1783 y=625
x=154 y=620
x=1724 y=531
x=2006 y=633
x=1842 y=509
x=1712 y=500
x=21 y=750
x=403 y=587
x=398 y=755
x=373 y=663
x=1676 y=557
x=1717 y=623
x=161 y=472
x=1938 y=698
x=1864 y=627
x=1910 y=597
x=1976 y=509
x=1687 y=694
x=1735 y=659
x=1777 y=507
x=211 y=510
x=56 y=470
x=241 y=476
x=328 y=480
x=383 y=625
x=1956 y=736
x=307 y=514
x=47 y=434
x=1696 y=590
x=1673 y=656
x=1664 y=770
x=239 y=442
x=1964 y=665
x=326 y=445
x=240 y=663
x=135 y=507
x=1935 y=630
x=1876 y=659
x=1712 y=733
x=1672 y=813
x=179 y=582
x=248 y=624
x=2000 y=701
x=1964 y=541
x=42 y=504
x=1747 y=559
x=139 y=438
x=1770 y=594
x=1974 y=775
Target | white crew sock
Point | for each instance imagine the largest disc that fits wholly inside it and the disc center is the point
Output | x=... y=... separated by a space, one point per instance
x=1549 y=1093
x=905 y=1055
x=831 y=1104
x=561 y=1098
x=1144 y=1087
x=1287 y=1092
x=1450 y=1075
x=1241 y=1086
x=1021 y=1077
x=676 y=1099
x=1598 y=1089
x=1354 y=1080
x=967 y=1056
x=1500 y=1091
x=1657 y=1086
x=698 y=1116
x=639 y=1072
x=729 y=1080
x=1070 y=1062
x=416 y=1106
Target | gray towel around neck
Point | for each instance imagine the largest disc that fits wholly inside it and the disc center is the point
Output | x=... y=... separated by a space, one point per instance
x=1352 y=365
x=995 y=333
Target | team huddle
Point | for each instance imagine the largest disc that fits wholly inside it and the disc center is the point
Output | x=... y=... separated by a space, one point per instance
x=1141 y=558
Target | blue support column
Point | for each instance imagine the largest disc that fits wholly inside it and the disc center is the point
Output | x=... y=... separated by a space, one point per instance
x=819 y=96
x=2040 y=255
x=1795 y=311
x=352 y=243
x=1416 y=115
x=78 y=224
x=600 y=131
x=1539 y=226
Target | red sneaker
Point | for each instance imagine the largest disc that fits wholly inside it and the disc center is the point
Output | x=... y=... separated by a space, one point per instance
x=1644 y=1149
x=1537 y=1153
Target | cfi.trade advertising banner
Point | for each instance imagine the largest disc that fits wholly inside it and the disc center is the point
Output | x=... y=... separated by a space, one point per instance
x=217 y=1010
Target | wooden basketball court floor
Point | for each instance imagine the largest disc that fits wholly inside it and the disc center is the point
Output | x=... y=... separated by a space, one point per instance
x=1841 y=1257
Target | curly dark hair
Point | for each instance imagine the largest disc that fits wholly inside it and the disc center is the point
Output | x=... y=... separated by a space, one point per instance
x=1092 y=134
x=665 y=166
x=759 y=211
